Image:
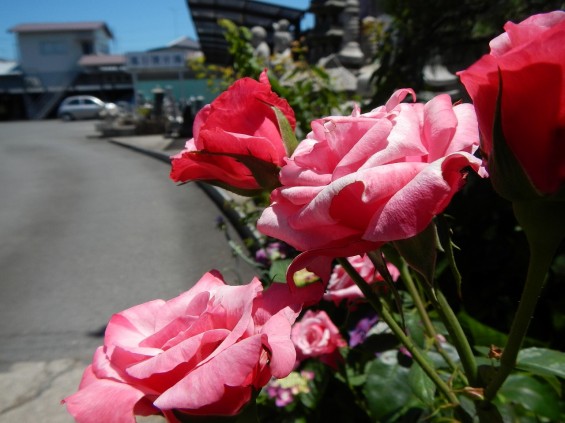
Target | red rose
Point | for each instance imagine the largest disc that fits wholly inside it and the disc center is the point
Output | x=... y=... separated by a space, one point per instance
x=235 y=137
x=526 y=67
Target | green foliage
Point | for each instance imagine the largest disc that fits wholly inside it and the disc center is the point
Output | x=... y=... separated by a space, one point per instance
x=422 y=386
x=420 y=251
x=365 y=388
x=311 y=94
x=289 y=139
x=241 y=50
x=480 y=333
x=460 y=34
x=307 y=88
x=524 y=395
x=542 y=362
x=277 y=272
x=388 y=390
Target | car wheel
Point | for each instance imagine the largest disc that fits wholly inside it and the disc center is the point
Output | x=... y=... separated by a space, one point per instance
x=67 y=117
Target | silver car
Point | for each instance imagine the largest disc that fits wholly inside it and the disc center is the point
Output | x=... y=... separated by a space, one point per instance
x=82 y=107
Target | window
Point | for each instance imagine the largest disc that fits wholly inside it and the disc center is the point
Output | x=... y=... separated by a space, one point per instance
x=87 y=47
x=52 y=47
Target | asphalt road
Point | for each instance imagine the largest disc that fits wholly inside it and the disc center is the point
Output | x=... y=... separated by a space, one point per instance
x=88 y=228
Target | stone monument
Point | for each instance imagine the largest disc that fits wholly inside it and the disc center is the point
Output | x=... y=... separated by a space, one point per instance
x=282 y=38
x=350 y=54
x=261 y=49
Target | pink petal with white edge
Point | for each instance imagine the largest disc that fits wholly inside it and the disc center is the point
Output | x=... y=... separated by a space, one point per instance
x=237 y=301
x=440 y=124
x=283 y=353
x=104 y=401
x=179 y=354
x=133 y=325
x=274 y=299
x=398 y=97
x=466 y=137
x=206 y=384
x=413 y=207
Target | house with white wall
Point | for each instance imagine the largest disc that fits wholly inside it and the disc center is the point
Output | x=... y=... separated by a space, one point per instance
x=63 y=58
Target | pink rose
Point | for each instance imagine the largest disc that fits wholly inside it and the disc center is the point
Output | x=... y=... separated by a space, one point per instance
x=315 y=335
x=236 y=137
x=341 y=286
x=203 y=352
x=529 y=59
x=359 y=181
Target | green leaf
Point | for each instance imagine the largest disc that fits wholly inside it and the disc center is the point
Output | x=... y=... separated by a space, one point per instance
x=421 y=385
x=415 y=328
x=277 y=272
x=542 y=361
x=387 y=389
x=239 y=191
x=289 y=139
x=420 y=252
x=533 y=395
x=481 y=333
x=265 y=173
x=318 y=388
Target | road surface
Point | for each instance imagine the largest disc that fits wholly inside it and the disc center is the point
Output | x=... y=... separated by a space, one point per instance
x=87 y=229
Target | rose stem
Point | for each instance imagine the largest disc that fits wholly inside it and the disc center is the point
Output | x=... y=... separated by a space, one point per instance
x=544 y=226
x=384 y=313
x=428 y=326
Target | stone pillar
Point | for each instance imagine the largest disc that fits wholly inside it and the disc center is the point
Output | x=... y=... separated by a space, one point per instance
x=158 y=97
x=350 y=54
x=261 y=49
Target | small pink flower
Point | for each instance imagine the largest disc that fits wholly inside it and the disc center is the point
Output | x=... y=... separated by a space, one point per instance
x=315 y=335
x=341 y=286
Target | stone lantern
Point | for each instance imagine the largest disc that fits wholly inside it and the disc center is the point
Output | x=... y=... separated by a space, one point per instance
x=350 y=54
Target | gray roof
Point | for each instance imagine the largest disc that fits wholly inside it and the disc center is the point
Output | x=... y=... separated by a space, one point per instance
x=182 y=43
x=102 y=60
x=61 y=26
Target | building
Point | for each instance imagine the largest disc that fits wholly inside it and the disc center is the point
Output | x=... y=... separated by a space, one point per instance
x=61 y=59
x=249 y=13
x=11 y=104
x=166 y=68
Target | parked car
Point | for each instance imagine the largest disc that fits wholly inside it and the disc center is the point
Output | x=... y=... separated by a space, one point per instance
x=82 y=107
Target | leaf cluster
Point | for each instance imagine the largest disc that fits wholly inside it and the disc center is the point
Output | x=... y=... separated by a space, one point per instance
x=457 y=31
x=308 y=88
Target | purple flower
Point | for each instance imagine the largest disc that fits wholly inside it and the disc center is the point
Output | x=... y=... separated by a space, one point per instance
x=284 y=390
x=358 y=335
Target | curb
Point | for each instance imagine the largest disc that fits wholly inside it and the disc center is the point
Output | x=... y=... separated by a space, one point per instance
x=219 y=198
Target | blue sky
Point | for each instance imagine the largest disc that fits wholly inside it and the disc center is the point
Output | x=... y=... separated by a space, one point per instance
x=136 y=24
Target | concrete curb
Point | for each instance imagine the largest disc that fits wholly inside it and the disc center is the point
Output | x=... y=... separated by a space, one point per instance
x=221 y=198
